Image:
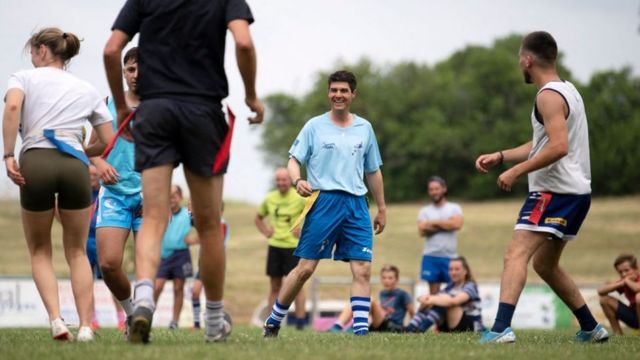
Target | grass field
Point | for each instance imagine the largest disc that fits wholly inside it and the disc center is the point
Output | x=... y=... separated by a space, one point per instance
x=611 y=227
x=247 y=343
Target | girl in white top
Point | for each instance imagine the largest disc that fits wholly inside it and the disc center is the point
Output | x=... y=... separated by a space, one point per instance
x=49 y=107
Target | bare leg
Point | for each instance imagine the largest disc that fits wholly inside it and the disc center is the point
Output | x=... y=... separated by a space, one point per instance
x=111 y=242
x=345 y=316
x=196 y=289
x=178 y=298
x=514 y=274
x=294 y=282
x=206 y=201
x=454 y=315
x=156 y=184
x=547 y=264
x=276 y=285
x=361 y=271
x=159 y=286
x=300 y=305
x=377 y=314
x=75 y=229
x=609 y=307
x=37 y=231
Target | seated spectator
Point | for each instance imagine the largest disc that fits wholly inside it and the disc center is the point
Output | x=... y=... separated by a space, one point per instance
x=387 y=314
x=629 y=284
x=456 y=308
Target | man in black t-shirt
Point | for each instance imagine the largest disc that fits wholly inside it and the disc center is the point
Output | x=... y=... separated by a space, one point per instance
x=181 y=82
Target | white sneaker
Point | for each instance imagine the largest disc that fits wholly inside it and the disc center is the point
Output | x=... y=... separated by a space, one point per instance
x=85 y=334
x=59 y=330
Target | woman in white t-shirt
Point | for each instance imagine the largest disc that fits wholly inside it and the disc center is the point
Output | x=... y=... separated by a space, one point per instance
x=49 y=107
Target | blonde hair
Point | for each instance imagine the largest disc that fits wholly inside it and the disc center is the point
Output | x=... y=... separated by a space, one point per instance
x=62 y=45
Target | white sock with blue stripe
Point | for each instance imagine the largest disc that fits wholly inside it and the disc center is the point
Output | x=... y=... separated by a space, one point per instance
x=278 y=312
x=360 y=306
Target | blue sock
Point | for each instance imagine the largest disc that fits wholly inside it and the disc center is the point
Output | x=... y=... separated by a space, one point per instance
x=585 y=318
x=503 y=318
x=360 y=306
x=278 y=312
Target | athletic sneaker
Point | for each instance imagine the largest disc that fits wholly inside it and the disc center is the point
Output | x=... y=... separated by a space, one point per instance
x=127 y=328
x=598 y=334
x=140 y=325
x=85 y=334
x=173 y=325
x=506 y=336
x=59 y=330
x=335 y=329
x=211 y=335
x=270 y=330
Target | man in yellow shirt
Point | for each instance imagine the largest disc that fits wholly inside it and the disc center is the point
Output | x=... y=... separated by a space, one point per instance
x=281 y=207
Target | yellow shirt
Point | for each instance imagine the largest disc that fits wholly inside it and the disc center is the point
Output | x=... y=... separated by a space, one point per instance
x=282 y=211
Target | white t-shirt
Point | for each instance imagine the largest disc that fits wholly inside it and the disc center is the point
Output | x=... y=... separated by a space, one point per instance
x=55 y=99
x=444 y=243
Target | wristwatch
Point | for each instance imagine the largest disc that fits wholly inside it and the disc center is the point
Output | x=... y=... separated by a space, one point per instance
x=296 y=181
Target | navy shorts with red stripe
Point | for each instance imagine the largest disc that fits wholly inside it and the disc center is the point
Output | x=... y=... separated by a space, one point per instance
x=170 y=131
x=560 y=215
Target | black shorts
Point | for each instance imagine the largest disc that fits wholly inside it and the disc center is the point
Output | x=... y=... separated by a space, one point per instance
x=465 y=324
x=280 y=261
x=168 y=131
x=387 y=326
x=176 y=266
x=627 y=315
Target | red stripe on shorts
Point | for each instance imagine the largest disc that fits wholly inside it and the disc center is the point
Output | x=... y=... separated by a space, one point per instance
x=539 y=207
x=223 y=155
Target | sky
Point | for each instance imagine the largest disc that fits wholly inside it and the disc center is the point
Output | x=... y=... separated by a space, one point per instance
x=296 y=39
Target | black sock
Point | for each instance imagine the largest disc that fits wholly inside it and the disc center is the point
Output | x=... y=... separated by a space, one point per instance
x=503 y=318
x=585 y=318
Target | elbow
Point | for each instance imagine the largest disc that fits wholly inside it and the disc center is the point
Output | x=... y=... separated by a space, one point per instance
x=562 y=149
x=111 y=53
x=244 y=45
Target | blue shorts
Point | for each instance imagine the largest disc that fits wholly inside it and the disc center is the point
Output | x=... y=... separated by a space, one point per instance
x=435 y=269
x=176 y=266
x=557 y=214
x=121 y=211
x=92 y=254
x=337 y=219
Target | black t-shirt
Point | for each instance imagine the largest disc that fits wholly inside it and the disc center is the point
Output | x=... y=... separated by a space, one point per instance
x=182 y=44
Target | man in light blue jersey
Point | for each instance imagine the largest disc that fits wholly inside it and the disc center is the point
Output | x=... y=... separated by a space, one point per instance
x=338 y=149
x=120 y=200
x=557 y=164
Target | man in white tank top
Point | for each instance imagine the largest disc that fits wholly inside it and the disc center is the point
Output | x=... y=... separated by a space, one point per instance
x=556 y=162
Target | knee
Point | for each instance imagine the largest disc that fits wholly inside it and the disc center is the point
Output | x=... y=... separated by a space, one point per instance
x=541 y=268
x=109 y=267
x=362 y=273
x=304 y=272
x=605 y=301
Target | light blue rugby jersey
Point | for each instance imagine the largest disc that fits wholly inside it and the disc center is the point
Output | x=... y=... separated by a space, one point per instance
x=122 y=158
x=336 y=158
x=178 y=228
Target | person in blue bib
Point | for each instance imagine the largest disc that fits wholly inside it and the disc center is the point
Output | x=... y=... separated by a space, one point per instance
x=175 y=258
x=339 y=149
x=119 y=210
